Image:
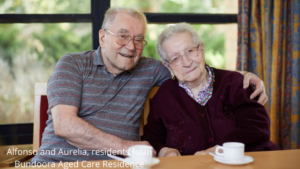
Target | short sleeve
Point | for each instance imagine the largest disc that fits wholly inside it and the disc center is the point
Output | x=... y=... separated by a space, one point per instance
x=161 y=73
x=65 y=84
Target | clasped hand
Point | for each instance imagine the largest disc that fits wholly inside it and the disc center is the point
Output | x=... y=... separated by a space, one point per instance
x=170 y=152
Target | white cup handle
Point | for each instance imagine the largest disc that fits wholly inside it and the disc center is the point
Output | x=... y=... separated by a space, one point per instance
x=217 y=150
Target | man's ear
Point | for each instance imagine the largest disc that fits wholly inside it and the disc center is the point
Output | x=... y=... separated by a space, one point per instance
x=102 y=38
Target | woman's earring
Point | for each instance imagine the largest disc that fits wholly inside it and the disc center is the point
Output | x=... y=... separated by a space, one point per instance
x=206 y=64
x=173 y=77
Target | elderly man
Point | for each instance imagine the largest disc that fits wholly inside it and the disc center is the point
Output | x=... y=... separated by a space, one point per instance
x=96 y=97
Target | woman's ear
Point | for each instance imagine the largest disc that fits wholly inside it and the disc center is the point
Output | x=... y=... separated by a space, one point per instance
x=202 y=51
x=202 y=47
x=167 y=66
x=102 y=38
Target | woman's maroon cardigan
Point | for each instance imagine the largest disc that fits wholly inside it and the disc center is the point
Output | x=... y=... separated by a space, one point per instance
x=178 y=121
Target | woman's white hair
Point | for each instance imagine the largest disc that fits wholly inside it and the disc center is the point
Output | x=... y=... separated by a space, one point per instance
x=172 y=30
x=111 y=13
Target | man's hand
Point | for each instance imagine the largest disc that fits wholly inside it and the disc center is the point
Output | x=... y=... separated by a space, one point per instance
x=126 y=144
x=205 y=152
x=168 y=152
x=252 y=79
x=83 y=135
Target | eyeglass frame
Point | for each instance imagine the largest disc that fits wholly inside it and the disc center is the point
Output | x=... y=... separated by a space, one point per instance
x=181 y=56
x=116 y=35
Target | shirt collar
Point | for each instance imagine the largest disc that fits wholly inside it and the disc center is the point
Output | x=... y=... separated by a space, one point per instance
x=97 y=57
x=206 y=87
x=204 y=94
x=99 y=61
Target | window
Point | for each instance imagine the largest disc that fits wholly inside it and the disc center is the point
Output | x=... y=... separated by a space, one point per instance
x=28 y=54
x=44 y=6
x=220 y=40
x=176 y=6
x=31 y=44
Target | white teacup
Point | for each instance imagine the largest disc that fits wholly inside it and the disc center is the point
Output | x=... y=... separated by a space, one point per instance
x=232 y=151
x=141 y=153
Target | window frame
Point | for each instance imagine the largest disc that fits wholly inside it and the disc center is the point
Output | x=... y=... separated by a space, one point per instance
x=98 y=8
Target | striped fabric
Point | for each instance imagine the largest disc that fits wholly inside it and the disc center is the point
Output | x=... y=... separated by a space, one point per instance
x=269 y=46
x=112 y=104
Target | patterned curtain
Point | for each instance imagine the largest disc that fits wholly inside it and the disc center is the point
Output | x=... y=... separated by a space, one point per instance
x=269 y=46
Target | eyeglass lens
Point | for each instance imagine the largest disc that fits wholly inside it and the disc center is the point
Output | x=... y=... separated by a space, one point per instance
x=190 y=53
x=124 y=39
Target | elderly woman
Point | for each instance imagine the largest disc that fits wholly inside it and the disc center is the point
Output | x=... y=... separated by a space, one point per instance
x=201 y=107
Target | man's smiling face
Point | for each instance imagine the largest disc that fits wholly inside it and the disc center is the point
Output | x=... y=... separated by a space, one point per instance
x=118 y=58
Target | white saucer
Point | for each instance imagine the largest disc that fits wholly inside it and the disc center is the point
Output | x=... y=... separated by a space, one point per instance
x=246 y=160
x=153 y=162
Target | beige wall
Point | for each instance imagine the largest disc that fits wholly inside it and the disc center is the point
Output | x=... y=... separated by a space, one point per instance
x=231 y=35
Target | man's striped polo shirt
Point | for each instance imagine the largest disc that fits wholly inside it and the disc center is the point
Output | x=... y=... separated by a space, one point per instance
x=111 y=104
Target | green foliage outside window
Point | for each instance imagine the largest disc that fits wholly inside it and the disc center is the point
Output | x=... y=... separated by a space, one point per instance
x=213 y=42
x=28 y=52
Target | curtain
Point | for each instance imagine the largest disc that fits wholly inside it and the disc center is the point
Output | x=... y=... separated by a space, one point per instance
x=269 y=46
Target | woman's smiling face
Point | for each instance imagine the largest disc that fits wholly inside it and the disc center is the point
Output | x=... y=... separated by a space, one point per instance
x=190 y=69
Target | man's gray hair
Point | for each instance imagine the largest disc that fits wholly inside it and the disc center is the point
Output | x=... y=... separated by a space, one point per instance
x=172 y=30
x=111 y=13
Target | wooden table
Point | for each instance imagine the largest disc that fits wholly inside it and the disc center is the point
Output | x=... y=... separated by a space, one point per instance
x=284 y=159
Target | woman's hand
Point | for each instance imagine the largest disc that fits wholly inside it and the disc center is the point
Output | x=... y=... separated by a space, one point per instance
x=168 y=152
x=254 y=80
x=205 y=152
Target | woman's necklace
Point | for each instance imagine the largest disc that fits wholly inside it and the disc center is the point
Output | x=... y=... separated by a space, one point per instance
x=210 y=87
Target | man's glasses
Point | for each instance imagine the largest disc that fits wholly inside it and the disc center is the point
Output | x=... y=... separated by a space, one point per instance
x=124 y=39
x=191 y=53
